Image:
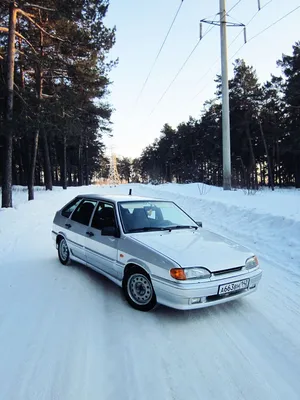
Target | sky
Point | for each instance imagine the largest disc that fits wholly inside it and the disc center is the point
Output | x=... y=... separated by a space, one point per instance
x=141 y=28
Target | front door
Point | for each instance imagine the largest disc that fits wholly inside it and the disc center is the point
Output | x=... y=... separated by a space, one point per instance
x=101 y=251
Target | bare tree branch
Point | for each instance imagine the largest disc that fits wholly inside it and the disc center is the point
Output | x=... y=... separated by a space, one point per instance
x=28 y=16
x=6 y=30
x=38 y=7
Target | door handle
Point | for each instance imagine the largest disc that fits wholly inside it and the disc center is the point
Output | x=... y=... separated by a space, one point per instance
x=90 y=234
x=68 y=226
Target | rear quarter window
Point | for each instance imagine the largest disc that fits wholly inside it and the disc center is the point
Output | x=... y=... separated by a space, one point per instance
x=68 y=209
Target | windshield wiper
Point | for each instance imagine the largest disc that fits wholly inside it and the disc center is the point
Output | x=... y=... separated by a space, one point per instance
x=149 y=228
x=182 y=227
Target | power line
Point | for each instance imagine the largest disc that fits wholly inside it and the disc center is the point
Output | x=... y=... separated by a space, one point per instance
x=175 y=77
x=234 y=6
x=181 y=68
x=265 y=29
x=274 y=23
x=231 y=43
x=160 y=50
x=252 y=38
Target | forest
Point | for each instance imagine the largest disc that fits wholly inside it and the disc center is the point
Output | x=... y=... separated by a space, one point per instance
x=55 y=110
x=265 y=134
x=54 y=85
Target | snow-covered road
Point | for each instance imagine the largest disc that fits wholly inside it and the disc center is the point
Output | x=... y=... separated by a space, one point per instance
x=66 y=333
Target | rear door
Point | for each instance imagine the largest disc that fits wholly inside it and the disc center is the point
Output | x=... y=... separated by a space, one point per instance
x=78 y=226
x=101 y=251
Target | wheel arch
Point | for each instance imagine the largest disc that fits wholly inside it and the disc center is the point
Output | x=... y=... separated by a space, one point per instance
x=59 y=237
x=136 y=263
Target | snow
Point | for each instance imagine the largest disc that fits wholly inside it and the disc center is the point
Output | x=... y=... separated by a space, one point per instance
x=66 y=333
x=281 y=202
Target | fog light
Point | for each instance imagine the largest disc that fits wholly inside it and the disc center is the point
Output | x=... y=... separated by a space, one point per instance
x=195 y=300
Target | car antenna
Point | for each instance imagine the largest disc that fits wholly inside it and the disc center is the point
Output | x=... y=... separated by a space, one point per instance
x=130 y=192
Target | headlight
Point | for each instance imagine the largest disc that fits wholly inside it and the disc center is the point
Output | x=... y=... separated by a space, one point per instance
x=251 y=262
x=182 y=274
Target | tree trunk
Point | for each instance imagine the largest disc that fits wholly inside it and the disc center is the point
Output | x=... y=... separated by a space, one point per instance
x=297 y=171
x=39 y=91
x=87 y=172
x=31 y=172
x=252 y=163
x=274 y=163
x=56 y=175
x=64 y=164
x=270 y=174
x=21 y=169
x=70 y=182
x=8 y=140
x=278 y=163
x=47 y=163
x=15 y=176
x=80 y=172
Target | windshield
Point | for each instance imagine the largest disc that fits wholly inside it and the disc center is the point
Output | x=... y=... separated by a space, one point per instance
x=143 y=216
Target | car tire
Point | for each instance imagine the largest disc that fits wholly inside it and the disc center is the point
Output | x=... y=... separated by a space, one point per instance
x=63 y=251
x=138 y=289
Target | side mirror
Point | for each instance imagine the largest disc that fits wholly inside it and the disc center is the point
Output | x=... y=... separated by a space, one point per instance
x=199 y=224
x=110 y=231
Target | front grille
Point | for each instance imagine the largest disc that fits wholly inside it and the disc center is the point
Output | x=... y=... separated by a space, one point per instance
x=227 y=271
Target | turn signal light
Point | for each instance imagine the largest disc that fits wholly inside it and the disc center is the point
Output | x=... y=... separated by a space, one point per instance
x=178 y=273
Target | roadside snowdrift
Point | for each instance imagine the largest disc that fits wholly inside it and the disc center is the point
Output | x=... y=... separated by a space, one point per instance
x=270 y=222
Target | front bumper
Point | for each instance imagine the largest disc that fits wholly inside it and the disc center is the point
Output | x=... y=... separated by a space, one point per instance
x=181 y=295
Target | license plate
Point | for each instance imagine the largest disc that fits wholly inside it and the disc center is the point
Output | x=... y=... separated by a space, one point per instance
x=234 y=286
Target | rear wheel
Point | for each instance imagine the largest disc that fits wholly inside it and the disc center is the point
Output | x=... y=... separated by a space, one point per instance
x=138 y=289
x=63 y=251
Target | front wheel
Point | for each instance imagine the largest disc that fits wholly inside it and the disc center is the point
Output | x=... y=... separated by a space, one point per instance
x=138 y=289
x=63 y=251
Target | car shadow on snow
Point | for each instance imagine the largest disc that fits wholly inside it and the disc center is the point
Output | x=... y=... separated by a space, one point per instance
x=97 y=281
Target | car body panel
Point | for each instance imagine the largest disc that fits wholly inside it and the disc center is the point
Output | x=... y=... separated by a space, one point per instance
x=74 y=234
x=157 y=252
x=190 y=247
x=101 y=251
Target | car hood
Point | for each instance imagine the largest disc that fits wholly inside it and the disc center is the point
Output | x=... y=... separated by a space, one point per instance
x=196 y=248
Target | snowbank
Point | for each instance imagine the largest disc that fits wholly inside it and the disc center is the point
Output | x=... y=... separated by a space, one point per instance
x=269 y=221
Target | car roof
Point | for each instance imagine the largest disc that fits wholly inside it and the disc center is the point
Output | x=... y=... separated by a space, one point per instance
x=116 y=198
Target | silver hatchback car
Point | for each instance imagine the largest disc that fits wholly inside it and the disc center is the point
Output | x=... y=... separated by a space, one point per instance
x=155 y=251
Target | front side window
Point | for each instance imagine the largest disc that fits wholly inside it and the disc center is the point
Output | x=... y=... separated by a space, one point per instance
x=156 y=215
x=84 y=211
x=104 y=216
x=67 y=211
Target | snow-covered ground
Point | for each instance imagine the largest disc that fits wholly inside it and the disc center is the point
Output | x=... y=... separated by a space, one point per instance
x=66 y=333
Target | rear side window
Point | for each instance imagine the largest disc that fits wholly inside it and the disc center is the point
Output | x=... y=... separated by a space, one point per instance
x=67 y=211
x=83 y=213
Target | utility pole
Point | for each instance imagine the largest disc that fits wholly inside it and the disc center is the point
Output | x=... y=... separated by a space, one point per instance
x=223 y=23
x=8 y=147
x=225 y=100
